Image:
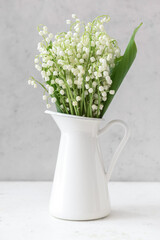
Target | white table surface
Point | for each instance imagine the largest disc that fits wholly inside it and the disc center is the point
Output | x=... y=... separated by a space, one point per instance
x=24 y=214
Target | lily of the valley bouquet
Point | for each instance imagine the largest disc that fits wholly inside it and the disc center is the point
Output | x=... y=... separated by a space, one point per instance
x=81 y=69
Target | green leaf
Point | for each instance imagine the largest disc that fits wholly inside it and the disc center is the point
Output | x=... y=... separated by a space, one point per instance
x=121 y=68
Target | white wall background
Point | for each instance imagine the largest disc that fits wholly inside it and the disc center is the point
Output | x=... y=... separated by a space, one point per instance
x=28 y=138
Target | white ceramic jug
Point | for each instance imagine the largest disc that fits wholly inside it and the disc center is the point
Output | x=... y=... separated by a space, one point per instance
x=80 y=186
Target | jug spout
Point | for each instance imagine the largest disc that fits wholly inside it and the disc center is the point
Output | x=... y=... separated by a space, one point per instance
x=55 y=117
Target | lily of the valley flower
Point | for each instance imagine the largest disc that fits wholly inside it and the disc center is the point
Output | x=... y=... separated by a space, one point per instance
x=76 y=66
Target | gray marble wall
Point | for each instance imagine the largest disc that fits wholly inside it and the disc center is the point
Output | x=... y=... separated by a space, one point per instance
x=28 y=138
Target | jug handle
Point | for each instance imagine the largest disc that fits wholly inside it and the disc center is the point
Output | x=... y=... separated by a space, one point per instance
x=120 y=146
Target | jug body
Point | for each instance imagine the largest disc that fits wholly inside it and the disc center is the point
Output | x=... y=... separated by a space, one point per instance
x=80 y=186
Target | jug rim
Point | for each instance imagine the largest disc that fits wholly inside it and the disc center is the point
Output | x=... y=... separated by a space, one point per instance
x=74 y=116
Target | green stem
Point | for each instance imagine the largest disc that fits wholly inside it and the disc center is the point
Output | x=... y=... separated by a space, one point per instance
x=39 y=83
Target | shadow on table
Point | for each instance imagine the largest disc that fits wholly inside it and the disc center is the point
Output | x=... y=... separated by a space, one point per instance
x=134 y=212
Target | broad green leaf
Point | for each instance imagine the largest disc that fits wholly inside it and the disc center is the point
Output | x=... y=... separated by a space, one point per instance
x=121 y=68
